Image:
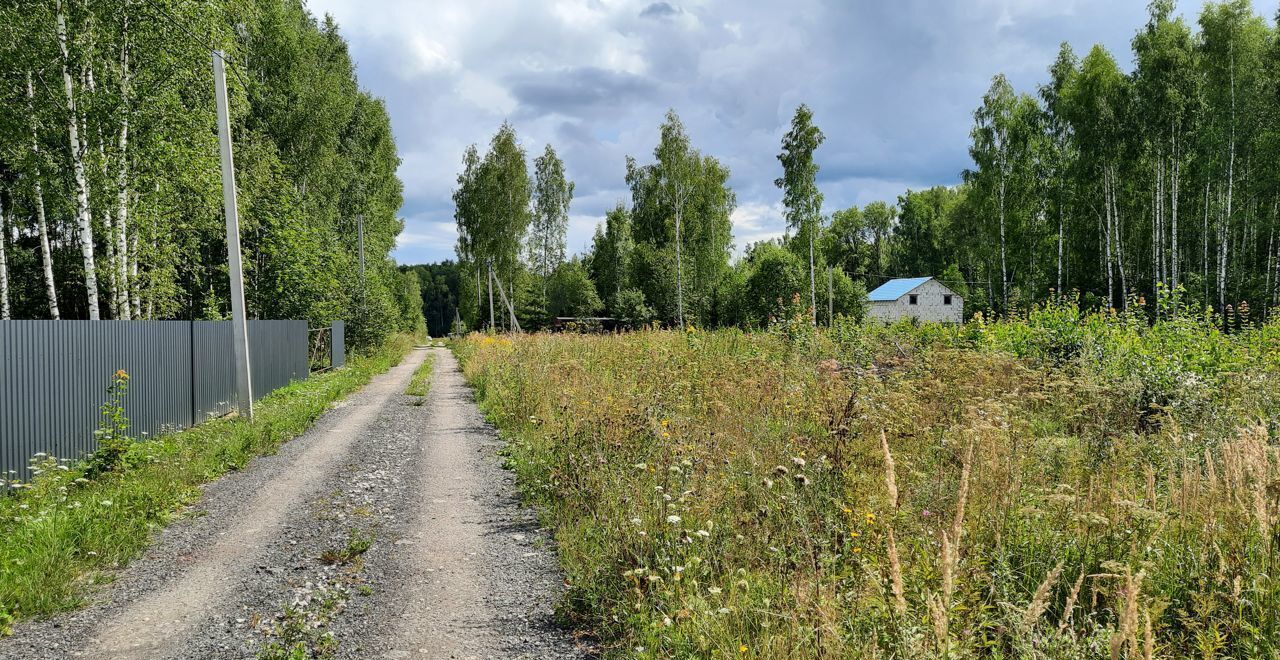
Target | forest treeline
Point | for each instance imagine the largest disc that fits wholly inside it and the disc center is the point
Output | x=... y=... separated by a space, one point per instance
x=110 y=190
x=1124 y=188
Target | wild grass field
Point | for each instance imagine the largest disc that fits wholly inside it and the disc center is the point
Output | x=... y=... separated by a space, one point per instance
x=1063 y=484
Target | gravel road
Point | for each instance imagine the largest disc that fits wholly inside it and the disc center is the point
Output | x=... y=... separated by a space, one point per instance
x=387 y=530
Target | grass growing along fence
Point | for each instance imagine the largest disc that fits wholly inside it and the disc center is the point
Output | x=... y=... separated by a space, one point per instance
x=72 y=525
x=1060 y=485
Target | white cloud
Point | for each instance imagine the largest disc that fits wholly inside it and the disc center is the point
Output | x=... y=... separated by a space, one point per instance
x=893 y=86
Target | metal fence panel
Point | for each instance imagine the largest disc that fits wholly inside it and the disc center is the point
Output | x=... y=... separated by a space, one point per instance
x=214 y=369
x=338 y=345
x=54 y=377
x=277 y=354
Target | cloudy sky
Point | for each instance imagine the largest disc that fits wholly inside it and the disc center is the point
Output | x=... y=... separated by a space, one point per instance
x=892 y=84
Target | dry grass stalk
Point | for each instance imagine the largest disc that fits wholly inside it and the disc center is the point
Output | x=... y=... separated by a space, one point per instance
x=1148 y=637
x=948 y=567
x=1127 y=633
x=962 y=496
x=895 y=572
x=1040 y=601
x=1151 y=485
x=1068 y=610
x=938 y=613
x=890 y=478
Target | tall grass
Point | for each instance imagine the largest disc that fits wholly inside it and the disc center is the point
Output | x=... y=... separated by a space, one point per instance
x=1060 y=485
x=70 y=527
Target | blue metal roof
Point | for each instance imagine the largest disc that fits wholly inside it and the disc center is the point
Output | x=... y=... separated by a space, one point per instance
x=895 y=289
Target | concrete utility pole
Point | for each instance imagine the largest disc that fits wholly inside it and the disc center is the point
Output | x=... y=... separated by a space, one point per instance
x=239 y=329
x=491 y=327
x=360 y=232
x=830 y=297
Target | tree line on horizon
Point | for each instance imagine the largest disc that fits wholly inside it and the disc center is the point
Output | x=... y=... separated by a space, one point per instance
x=1151 y=190
x=110 y=189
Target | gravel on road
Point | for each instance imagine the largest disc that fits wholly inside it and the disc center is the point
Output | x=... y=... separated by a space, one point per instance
x=389 y=529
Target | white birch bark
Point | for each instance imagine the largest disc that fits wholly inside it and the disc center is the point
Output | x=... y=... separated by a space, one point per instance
x=4 y=263
x=133 y=276
x=1174 y=180
x=42 y=226
x=122 y=188
x=83 y=214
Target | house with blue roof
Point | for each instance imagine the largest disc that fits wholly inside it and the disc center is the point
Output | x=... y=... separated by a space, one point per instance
x=922 y=298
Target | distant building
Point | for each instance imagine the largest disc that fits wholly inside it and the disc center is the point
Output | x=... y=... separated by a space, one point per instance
x=922 y=298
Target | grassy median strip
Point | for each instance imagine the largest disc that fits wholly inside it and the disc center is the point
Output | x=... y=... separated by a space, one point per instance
x=65 y=532
x=421 y=382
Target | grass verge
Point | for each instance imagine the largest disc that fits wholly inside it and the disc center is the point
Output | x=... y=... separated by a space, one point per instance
x=66 y=532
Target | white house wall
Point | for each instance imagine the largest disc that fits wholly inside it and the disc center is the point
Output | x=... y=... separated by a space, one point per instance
x=929 y=305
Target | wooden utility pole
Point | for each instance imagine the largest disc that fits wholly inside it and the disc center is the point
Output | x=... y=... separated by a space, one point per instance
x=239 y=328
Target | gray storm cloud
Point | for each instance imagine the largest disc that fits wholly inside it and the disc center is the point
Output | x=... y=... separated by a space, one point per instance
x=893 y=86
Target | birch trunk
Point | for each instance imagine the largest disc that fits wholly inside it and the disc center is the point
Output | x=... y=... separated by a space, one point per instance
x=83 y=216
x=679 y=271
x=122 y=219
x=1204 y=235
x=1004 y=269
x=46 y=255
x=133 y=276
x=1224 y=231
x=1174 y=180
x=1061 y=237
x=1223 y=237
x=122 y=186
x=1118 y=232
x=4 y=263
x=1106 y=238
x=813 y=292
x=90 y=84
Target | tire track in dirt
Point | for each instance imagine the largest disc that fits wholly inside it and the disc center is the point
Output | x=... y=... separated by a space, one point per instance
x=476 y=585
x=155 y=625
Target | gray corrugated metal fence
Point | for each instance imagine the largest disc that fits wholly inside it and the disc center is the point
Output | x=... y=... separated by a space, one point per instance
x=54 y=376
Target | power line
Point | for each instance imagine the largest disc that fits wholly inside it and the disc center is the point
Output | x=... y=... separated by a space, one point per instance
x=203 y=43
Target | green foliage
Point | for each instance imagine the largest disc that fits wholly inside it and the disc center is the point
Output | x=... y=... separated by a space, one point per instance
x=440 y=286
x=630 y=308
x=112 y=435
x=409 y=304
x=776 y=278
x=552 y=195
x=312 y=152
x=611 y=250
x=680 y=208
x=492 y=210
x=571 y=293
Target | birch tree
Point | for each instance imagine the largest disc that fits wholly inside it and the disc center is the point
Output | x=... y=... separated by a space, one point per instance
x=552 y=194
x=84 y=220
x=800 y=194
